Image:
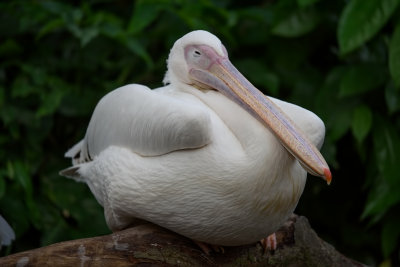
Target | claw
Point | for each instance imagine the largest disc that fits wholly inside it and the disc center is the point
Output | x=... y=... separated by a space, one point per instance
x=207 y=248
x=269 y=243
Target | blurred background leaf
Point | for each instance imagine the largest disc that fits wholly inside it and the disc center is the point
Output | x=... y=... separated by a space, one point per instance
x=394 y=56
x=297 y=23
x=339 y=59
x=362 y=122
x=361 y=20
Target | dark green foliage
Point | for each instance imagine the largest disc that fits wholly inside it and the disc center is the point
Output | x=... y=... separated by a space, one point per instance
x=340 y=59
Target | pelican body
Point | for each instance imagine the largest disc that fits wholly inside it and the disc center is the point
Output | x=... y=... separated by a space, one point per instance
x=207 y=156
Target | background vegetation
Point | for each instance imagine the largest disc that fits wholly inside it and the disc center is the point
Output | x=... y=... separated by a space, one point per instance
x=340 y=59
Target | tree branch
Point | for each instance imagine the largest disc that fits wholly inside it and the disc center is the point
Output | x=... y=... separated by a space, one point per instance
x=298 y=245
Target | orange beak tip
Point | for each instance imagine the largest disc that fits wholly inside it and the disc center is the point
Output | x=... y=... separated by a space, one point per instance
x=328 y=176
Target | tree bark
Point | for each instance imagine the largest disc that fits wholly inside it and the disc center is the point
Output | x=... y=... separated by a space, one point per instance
x=150 y=245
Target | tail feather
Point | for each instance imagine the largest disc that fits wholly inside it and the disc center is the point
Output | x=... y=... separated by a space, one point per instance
x=72 y=172
x=75 y=154
x=78 y=153
x=74 y=151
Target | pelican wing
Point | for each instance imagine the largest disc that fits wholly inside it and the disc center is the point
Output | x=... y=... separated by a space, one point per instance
x=148 y=122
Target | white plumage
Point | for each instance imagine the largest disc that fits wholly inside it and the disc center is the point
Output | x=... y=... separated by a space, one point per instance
x=188 y=158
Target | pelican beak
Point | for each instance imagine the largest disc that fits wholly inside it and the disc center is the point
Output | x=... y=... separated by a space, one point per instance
x=221 y=75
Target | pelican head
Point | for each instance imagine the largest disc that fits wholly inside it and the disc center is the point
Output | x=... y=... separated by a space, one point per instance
x=200 y=59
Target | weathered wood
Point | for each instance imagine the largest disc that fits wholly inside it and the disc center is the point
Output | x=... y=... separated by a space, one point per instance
x=149 y=245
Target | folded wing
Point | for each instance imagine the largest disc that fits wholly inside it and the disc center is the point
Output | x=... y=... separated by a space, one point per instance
x=145 y=121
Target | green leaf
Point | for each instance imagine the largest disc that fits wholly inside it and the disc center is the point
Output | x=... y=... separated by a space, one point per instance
x=2 y=96
x=340 y=123
x=384 y=195
x=381 y=198
x=34 y=214
x=52 y=99
x=10 y=170
x=138 y=49
x=9 y=48
x=37 y=74
x=88 y=34
x=2 y=185
x=55 y=7
x=360 y=79
x=144 y=13
x=333 y=111
x=362 y=122
x=392 y=97
x=394 y=56
x=328 y=92
x=50 y=27
x=387 y=151
x=390 y=236
x=22 y=88
x=23 y=177
x=361 y=20
x=304 y=3
x=111 y=26
x=298 y=23
x=50 y=103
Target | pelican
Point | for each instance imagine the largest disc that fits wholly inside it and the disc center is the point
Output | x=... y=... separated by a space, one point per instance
x=207 y=156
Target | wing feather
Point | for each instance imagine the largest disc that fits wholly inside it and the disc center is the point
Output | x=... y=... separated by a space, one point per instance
x=145 y=121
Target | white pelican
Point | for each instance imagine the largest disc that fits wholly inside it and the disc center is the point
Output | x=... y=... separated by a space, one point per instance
x=207 y=156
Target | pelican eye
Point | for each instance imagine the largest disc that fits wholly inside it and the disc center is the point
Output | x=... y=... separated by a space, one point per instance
x=196 y=53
